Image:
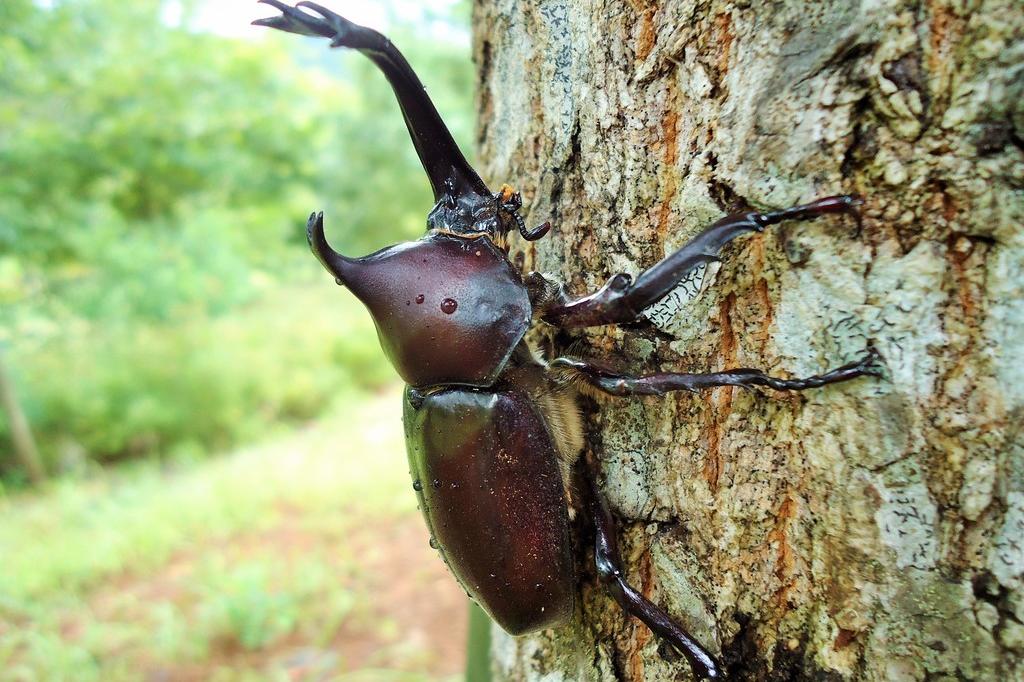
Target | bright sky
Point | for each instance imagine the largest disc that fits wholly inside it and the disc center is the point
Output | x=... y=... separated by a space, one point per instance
x=232 y=17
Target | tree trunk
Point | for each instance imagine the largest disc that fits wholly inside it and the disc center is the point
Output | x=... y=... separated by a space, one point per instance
x=865 y=531
x=21 y=435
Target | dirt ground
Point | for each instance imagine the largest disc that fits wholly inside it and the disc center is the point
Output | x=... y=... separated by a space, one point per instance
x=408 y=586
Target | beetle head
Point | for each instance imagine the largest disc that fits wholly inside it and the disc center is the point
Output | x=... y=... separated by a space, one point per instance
x=450 y=289
x=470 y=215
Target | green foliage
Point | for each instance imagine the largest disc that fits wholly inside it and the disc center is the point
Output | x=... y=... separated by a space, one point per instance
x=125 y=390
x=112 y=120
x=156 y=293
x=115 y=125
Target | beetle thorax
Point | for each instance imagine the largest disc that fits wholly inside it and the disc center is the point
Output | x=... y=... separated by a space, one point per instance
x=448 y=310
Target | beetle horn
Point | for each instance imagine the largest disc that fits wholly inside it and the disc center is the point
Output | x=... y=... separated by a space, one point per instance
x=449 y=173
x=338 y=265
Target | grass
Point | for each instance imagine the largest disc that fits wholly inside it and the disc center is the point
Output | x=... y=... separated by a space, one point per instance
x=303 y=558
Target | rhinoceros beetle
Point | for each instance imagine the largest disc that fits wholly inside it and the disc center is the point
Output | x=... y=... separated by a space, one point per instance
x=493 y=433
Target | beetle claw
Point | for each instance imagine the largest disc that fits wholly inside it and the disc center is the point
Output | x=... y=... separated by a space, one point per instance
x=319 y=9
x=274 y=3
x=342 y=27
x=851 y=207
x=872 y=363
x=294 y=20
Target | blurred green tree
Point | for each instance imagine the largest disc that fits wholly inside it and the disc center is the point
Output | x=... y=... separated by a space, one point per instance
x=156 y=179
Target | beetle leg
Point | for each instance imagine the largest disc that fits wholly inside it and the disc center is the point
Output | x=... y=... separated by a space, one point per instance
x=623 y=300
x=662 y=382
x=609 y=570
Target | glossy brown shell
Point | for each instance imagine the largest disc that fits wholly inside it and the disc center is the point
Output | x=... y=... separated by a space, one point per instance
x=489 y=486
x=447 y=310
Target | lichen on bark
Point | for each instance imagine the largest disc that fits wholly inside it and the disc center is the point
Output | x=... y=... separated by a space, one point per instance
x=866 y=531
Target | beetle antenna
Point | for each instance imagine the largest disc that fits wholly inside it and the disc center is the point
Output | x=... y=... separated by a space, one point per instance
x=509 y=202
x=440 y=155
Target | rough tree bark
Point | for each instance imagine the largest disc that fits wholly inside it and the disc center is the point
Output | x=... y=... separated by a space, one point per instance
x=868 y=531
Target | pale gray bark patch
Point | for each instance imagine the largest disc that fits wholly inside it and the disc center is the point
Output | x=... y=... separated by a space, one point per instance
x=868 y=531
